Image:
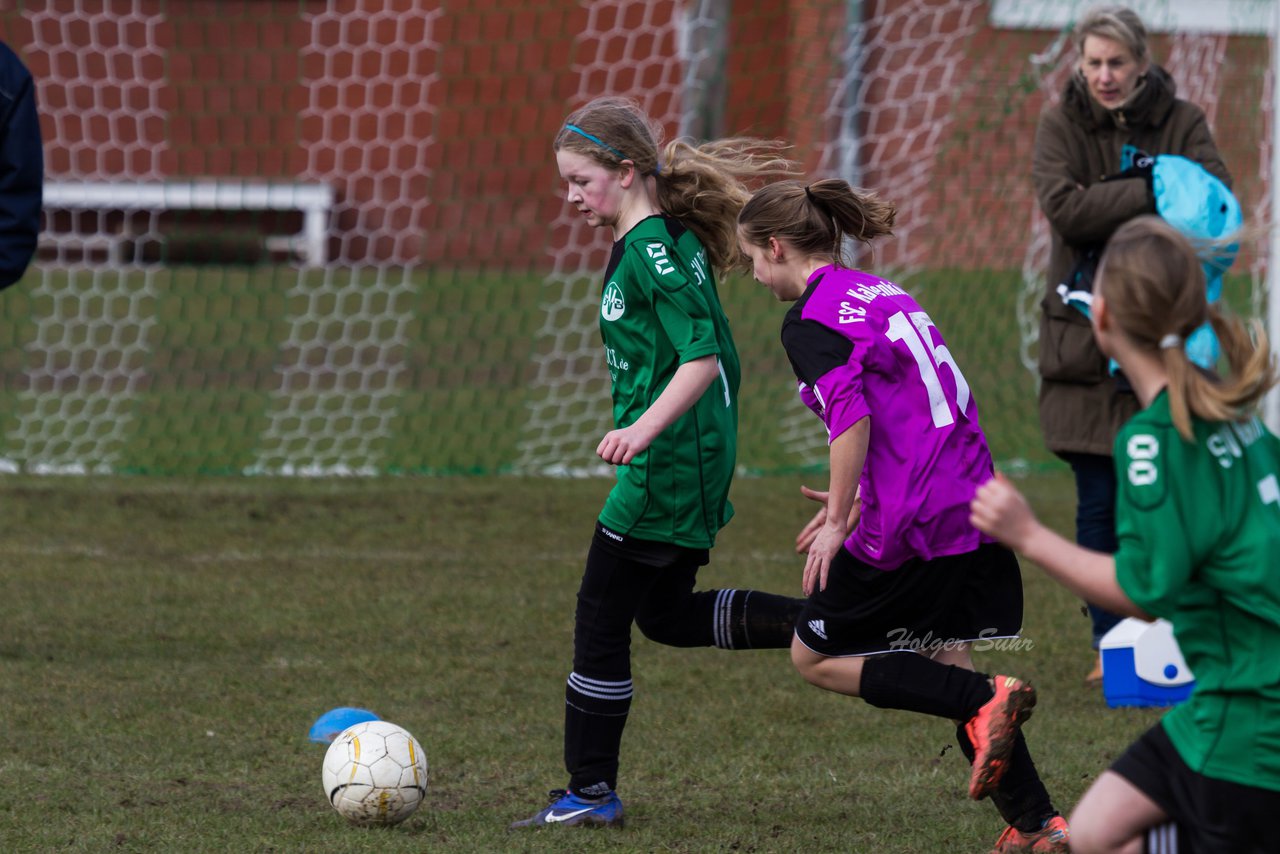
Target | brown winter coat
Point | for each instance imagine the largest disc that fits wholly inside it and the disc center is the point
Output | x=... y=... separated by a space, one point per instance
x=1077 y=143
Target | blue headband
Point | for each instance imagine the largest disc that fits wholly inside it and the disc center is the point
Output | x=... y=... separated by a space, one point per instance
x=597 y=140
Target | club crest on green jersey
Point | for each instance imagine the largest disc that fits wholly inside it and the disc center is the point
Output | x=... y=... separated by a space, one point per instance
x=612 y=305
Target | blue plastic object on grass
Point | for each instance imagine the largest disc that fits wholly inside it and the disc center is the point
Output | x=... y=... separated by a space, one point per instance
x=1142 y=665
x=334 y=721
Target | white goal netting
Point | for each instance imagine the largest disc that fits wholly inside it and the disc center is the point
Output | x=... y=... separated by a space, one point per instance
x=444 y=317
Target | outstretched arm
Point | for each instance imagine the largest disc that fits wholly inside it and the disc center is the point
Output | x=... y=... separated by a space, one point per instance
x=1000 y=510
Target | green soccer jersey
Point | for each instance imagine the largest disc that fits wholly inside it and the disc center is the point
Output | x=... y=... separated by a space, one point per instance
x=660 y=309
x=1199 y=530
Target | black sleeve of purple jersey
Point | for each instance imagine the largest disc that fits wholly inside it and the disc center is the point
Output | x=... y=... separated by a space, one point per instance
x=814 y=350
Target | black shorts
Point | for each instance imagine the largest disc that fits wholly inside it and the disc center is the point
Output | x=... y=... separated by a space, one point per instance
x=923 y=606
x=1211 y=815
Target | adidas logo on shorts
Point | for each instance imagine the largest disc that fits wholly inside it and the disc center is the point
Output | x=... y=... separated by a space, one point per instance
x=819 y=628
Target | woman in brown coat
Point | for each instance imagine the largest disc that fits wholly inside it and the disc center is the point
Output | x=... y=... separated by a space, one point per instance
x=1116 y=97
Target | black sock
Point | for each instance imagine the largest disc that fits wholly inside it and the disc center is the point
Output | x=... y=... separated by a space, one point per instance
x=728 y=619
x=910 y=681
x=1021 y=798
x=765 y=621
x=595 y=715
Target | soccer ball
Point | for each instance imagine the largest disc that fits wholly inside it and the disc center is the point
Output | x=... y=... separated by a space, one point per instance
x=375 y=773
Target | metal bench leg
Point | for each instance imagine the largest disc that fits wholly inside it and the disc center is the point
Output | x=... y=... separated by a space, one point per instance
x=315 y=237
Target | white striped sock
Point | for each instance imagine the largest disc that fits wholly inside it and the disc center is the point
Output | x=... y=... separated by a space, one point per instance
x=722 y=627
x=600 y=689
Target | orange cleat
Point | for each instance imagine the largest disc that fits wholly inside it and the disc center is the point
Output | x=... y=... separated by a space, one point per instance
x=1053 y=838
x=993 y=730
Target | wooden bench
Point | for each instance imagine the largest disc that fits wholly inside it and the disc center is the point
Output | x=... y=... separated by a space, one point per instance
x=315 y=201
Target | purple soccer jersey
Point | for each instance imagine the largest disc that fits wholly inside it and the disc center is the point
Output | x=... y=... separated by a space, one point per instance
x=861 y=346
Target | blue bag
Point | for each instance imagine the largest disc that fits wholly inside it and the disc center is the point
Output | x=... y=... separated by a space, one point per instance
x=1198 y=204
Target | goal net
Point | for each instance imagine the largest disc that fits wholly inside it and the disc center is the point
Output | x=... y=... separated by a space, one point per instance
x=444 y=319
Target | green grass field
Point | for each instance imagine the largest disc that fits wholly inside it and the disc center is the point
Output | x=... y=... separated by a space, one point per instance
x=226 y=369
x=165 y=645
x=180 y=370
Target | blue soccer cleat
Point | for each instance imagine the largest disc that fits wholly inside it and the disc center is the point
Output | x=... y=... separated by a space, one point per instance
x=570 y=810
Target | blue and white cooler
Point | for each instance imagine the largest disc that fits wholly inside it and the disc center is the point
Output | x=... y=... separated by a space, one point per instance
x=1142 y=665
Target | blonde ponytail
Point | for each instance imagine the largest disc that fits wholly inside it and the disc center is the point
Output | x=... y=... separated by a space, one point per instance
x=704 y=186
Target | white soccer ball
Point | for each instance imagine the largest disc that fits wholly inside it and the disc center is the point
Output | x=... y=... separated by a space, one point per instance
x=375 y=773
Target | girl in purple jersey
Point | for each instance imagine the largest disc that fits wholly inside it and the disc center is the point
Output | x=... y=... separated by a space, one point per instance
x=894 y=567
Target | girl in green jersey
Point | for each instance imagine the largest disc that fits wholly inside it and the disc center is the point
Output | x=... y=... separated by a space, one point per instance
x=673 y=214
x=1198 y=519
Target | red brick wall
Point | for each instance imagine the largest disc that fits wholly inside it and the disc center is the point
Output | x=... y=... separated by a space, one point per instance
x=434 y=122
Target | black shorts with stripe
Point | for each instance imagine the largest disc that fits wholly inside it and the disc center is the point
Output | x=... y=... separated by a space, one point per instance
x=923 y=605
x=1208 y=815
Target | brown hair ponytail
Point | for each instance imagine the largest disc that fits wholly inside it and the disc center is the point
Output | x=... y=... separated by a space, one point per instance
x=1153 y=284
x=816 y=219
